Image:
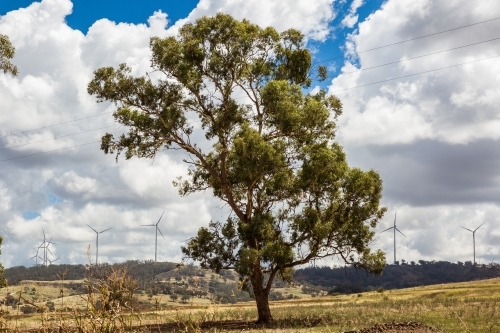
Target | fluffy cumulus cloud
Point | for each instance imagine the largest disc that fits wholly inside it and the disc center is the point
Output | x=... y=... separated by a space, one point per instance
x=352 y=18
x=428 y=122
x=433 y=136
x=55 y=177
x=311 y=17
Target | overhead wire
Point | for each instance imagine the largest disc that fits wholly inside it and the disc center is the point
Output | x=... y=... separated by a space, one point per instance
x=48 y=126
x=412 y=39
x=48 y=151
x=341 y=90
x=326 y=60
x=58 y=137
x=53 y=150
x=336 y=91
x=420 y=56
x=419 y=73
x=350 y=88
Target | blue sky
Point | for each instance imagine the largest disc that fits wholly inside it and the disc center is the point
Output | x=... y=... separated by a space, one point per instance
x=86 y=12
x=433 y=137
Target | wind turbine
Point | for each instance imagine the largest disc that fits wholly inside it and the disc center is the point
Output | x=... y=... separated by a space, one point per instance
x=48 y=249
x=45 y=246
x=36 y=256
x=395 y=228
x=474 y=239
x=157 y=229
x=97 y=241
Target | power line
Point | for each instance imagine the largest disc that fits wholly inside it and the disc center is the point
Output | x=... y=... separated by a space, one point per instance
x=53 y=150
x=48 y=126
x=420 y=56
x=412 y=39
x=49 y=151
x=409 y=75
x=326 y=60
x=61 y=136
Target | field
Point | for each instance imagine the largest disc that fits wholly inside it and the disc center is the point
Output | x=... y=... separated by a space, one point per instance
x=458 y=307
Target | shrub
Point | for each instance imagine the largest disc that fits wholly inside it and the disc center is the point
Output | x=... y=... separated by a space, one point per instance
x=27 y=309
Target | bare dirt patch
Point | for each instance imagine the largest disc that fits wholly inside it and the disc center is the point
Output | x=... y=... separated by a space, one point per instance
x=409 y=327
x=240 y=325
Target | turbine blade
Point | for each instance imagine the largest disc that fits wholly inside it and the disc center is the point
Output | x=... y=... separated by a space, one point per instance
x=400 y=232
x=92 y=229
x=160 y=218
x=466 y=228
x=160 y=232
x=148 y=225
x=386 y=229
x=105 y=230
x=48 y=249
x=479 y=226
x=395 y=218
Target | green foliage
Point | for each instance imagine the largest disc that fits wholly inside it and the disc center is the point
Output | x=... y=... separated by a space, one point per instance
x=6 y=52
x=272 y=159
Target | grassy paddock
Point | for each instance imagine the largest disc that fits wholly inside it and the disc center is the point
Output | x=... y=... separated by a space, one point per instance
x=458 y=307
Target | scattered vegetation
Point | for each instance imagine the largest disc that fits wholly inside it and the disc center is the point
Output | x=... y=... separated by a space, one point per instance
x=113 y=305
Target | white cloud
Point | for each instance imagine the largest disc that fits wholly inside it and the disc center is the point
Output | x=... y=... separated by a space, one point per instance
x=352 y=18
x=427 y=134
x=79 y=186
x=439 y=104
x=73 y=183
x=433 y=137
x=311 y=17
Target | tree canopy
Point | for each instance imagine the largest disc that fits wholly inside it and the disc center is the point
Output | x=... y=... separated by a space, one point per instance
x=267 y=149
x=6 y=53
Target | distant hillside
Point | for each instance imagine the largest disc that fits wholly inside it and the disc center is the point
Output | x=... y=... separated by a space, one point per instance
x=167 y=277
x=350 y=280
x=140 y=270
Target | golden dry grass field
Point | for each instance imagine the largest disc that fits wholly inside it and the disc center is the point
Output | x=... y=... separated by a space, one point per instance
x=457 y=307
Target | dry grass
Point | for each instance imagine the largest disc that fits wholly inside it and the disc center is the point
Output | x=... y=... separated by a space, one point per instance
x=459 y=307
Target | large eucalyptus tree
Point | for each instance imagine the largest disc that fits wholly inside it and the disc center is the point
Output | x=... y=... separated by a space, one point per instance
x=269 y=153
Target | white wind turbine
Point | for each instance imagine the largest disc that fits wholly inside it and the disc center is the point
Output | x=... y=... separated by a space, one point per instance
x=395 y=228
x=97 y=241
x=157 y=229
x=474 y=239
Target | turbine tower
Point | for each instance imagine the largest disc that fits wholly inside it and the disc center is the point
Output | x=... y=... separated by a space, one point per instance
x=97 y=241
x=157 y=229
x=474 y=239
x=395 y=228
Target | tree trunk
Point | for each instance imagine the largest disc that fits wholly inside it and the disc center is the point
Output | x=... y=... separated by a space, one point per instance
x=261 y=298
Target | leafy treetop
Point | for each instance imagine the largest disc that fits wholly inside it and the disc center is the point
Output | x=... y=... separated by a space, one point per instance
x=6 y=52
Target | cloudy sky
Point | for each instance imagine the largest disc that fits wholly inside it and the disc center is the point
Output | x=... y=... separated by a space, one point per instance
x=419 y=81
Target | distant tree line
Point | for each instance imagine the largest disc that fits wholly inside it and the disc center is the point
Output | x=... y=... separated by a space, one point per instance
x=142 y=271
x=351 y=280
